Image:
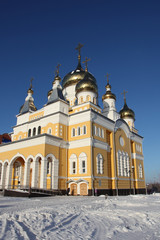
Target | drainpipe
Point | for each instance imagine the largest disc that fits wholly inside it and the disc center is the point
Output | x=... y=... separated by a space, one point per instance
x=131 y=167
x=115 y=162
x=66 y=157
x=92 y=178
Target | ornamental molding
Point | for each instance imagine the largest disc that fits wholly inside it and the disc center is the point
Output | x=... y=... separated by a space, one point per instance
x=137 y=156
x=102 y=145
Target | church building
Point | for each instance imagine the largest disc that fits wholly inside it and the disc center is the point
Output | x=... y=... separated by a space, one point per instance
x=71 y=144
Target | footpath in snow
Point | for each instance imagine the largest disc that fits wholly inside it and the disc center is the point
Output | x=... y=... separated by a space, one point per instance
x=67 y=218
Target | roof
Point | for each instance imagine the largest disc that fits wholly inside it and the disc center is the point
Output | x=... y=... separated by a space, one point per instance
x=56 y=95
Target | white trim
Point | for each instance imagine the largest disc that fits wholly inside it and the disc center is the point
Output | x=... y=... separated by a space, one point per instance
x=122 y=125
x=101 y=145
x=80 y=143
x=137 y=156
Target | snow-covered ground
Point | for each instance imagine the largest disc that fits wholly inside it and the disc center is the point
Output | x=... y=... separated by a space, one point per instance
x=61 y=217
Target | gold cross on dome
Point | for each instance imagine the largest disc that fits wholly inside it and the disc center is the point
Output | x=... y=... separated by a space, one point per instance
x=124 y=93
x=107 y=77
x=31 y=80
x=86 y=62
x=79 y=48
x=57 y=69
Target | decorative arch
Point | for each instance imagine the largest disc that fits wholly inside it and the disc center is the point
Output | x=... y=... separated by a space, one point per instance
x=88 y=98
x=120 y=123
x=38 y=156
x=18 y=155
x=28 y=158
x=17 y=166
x=50 y=155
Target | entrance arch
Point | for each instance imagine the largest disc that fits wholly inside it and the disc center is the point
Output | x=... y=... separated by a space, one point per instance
x=73 y=189
x=17 y=170
x=83 y=189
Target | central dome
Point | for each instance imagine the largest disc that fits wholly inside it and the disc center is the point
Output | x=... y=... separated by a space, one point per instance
x=76 y=76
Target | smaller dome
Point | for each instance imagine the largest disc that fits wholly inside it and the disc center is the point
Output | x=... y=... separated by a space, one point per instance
x=126 y=112
x=86 y=85
x=30 y=91
x=109 y=94
x=57 y=77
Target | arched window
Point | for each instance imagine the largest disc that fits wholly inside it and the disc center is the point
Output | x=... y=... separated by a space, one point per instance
x=99 y=132
x=49 y=166
x=94 y=100
x=81 y=100
x=102 y=133
x=140 y=171
x=73 y=164
x=123 y=164
x=127 y=165
x=78 y=131
x=29 y=132
x=119 y=160
x=84 y=129
x=82 y=163
x=88 y=98
x=99 y=164
x=49 y=131
x=19 y=138
x=34 y=131
x=73 y=132
x=39 y=130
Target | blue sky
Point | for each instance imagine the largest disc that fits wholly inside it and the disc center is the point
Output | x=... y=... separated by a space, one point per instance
x=122 y=37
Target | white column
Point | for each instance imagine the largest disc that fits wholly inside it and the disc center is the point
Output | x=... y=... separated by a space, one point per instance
x=43 y=178
x=9 y=176
x=26 y=174
x=35 y=173
x=55 y=171
x=3 y=176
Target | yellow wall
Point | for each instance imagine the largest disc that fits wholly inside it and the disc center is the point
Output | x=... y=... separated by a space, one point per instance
x=87 y=135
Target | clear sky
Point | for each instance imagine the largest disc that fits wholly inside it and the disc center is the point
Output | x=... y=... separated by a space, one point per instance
x=122 y=37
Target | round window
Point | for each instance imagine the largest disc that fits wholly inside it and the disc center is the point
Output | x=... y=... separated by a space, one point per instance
x=121 y=140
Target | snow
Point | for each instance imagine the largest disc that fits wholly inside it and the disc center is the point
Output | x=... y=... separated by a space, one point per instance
x=69 y=217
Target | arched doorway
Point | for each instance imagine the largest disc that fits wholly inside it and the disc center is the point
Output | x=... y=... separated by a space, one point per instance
x=73 y=189
x=83 y=189
x=17 y=173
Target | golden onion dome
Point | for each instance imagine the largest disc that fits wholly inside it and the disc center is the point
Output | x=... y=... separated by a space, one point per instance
x=126 y=112
x=30 y=91
x=86 y=84
x=76 y=76
x=57 y=77
x=108 y=94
